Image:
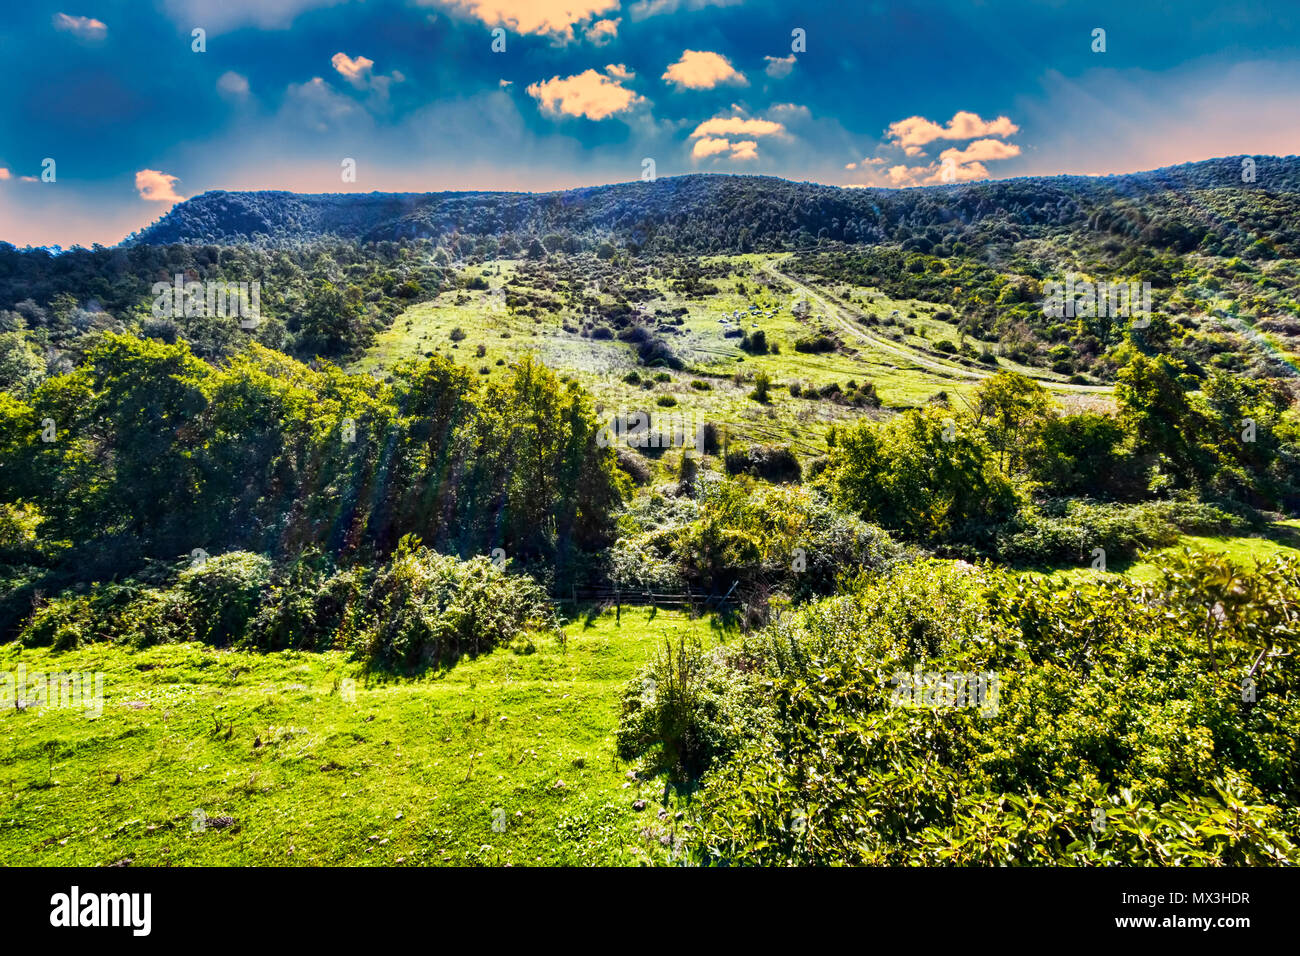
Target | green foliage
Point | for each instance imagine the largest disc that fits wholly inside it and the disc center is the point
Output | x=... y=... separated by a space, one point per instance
x=429 y=609
x=744 y=531
x=158 y=453
x=420 y=610
x=1110 y=699
x=686 y=709
x=1067 y=531
x=923 y=474
x=222 y=594
x=1010 y=409
x=769 y=462
x=1083 y=455
x=755 y=342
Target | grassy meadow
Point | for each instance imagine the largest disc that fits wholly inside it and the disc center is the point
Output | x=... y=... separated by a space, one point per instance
x=503 y=759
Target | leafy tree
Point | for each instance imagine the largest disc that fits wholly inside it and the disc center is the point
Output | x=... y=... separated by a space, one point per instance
x=922 y=473
x=1009 y=408
x=1084 y=455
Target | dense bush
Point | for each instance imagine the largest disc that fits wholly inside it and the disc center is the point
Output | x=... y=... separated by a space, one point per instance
x=1110 y=697
x=923 y=473
x=1083 y=455
x=421 y=609
x=1068 y=531
x=787 y=538
x=222 y=594
x=770 y=462
x=427 y=609
x=688 y=708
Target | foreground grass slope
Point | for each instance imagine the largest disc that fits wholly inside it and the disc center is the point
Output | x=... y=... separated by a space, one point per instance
x=288 y=771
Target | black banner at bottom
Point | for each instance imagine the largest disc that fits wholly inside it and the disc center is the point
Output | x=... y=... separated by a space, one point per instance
x=338 y=905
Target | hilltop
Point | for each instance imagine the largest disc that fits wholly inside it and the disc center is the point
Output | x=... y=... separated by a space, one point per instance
x=1178 y=207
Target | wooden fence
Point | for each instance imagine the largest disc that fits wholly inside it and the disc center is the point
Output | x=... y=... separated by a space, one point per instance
x=617 y=596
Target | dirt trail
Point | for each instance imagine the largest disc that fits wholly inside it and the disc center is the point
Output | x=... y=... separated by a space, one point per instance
x=840 y=314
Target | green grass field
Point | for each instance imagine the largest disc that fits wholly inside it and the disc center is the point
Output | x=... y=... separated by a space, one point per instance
x=505 y=759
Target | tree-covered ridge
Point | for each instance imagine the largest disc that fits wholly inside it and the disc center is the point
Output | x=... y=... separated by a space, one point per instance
x=1195 y=205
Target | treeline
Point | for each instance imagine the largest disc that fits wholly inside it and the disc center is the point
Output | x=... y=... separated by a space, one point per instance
x=990 y=478
x=324 y=299
x=1204 y=206
x=145 y=451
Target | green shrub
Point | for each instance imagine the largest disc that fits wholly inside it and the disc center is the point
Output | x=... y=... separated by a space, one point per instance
x=62 y=623
x=686 y=709
x=755 y=343
x=308 y=608
x=1111 y=697
x=924 y=474
x=816 y=343
x=427 y=609
x=222 y=594
x=770 y=462
x=1068 y=531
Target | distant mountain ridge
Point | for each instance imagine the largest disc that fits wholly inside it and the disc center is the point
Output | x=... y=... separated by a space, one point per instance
x=721 y=213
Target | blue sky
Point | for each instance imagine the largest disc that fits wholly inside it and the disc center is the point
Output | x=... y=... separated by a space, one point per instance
x=883 y=94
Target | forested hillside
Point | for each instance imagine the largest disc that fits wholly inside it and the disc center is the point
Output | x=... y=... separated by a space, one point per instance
x=1201 y=205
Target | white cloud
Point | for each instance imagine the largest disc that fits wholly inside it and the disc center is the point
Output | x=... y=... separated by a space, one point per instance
x=779 y=66
x=602 y=32
x=157 y=186
x=745 y=149
x=954 y=165
x=917 y=130
x=702 y=70
x=554 y=18
x=85 y=28
x=233 y=85
x=737 y=126
x=355 y=71
x=590 y=94
x=316 y=105
x=712 y=146
x=981 y=150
